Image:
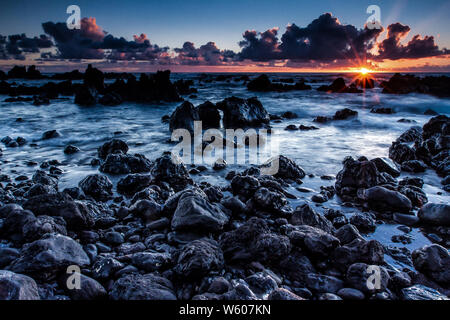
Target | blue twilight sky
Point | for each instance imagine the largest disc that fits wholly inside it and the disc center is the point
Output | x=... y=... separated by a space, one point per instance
x=172 y=22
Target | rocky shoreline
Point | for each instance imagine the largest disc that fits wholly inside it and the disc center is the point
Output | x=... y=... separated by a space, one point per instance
x=144 y=228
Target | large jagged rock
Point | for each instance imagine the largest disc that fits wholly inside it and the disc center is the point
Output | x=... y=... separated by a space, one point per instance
x=183 y=117
x=284 y=168
x=356 y=174
x=240 y=113
x=97 y=186
x=15 y=286
x=209 y=115
x=263 y=84
x=254 y=241
x=133 y=183
x=196 y=214
x=114 y=146
x=86 y=96
x=199 y=257
x=45 y=257
x=75 y=213
x=125 y=163
x=305 y=215
x=433 y=261
x=170 y=169
x=142 y=287
x=93 y=77
x=403 y=84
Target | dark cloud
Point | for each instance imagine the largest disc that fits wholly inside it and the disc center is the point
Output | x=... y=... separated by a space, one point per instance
x=392 y=49
x=324 y=39
x=15 y=46
x=207 y=54
x=261 y=46
x=91 y=42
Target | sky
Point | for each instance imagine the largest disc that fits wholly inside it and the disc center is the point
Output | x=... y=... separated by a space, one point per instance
x=214 y=32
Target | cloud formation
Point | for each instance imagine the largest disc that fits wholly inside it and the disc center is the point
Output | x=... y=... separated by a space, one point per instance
x=324 y=39
x=207 y=54
x=323 y=42
x=392 y=49
x=15 y=46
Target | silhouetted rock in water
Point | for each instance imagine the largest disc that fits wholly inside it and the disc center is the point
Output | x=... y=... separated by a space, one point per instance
x=2 y=75
x=110 y=99
x=364 y=83
x=72 y=75
x=70 y=149
x=183 y=117
x=242 y=113
x=338 y=86
x=51 y=134
x=403 y=84
x=149 y=88
x=209 y=115
x=307 y=128
x=18 y=99
x=113 y=146
x=18 y=72
x=86 y=96
x=39 y=100
x=94 y=78
x=263 y=83
x=184 y=87
x=382 y=110
x=339 y=115
x=430 y=112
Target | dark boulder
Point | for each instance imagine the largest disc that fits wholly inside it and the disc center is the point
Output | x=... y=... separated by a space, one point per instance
x=183 y=117
x=86 y=96
x=305 y=215
x=198 y=258
x=195 y=213
x=125 y=163
x=382 y=199
x=75 y=213
x=133 y=183
x=142 y=287
x=367 y=278
x=170 y=169
x=209 y=115
x=45 y=257
x=433 y=261
x=97 y=186
x=15 y=286
x=114 y=146
x=435 y=213
x=240 y=113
